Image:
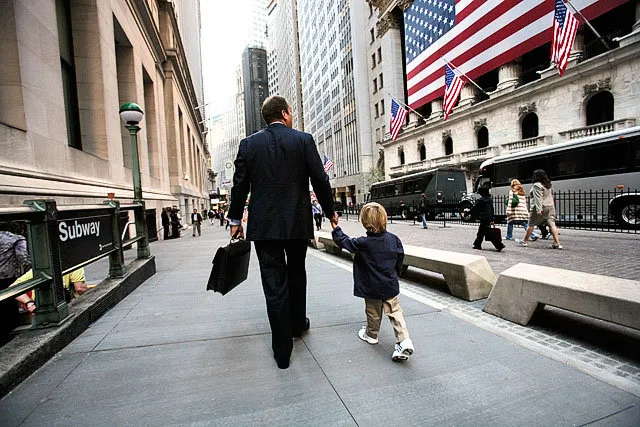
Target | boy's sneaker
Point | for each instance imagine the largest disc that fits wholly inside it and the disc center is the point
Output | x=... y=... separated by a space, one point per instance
x=533 y=238
x=554 y=246
x=362 y=334
x=523 y=243
x=403 y=350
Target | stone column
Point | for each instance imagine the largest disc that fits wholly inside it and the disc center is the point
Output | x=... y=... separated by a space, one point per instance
x=636 y=25
x=436 y=107
x=509 y=75
x=467 y=95
x=578 y=46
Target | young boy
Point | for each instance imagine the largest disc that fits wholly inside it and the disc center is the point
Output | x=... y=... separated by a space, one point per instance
x=376 y=266
x=483 y=210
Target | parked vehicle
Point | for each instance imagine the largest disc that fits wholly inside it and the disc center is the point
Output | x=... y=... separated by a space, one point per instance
x=443 y=188
x=607 y=163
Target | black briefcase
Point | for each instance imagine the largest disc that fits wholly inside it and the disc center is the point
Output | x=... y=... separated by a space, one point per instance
x=230 y=266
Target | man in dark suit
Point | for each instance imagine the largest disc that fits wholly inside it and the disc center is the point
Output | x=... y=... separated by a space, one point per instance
x=275 y=165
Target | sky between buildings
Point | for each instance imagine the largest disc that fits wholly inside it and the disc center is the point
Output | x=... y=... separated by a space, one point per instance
x=225 y=32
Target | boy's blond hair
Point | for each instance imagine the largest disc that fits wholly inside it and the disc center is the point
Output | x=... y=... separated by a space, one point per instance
x=373 y=217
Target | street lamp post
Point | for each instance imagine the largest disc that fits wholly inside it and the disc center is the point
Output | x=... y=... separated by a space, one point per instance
x=131 y=114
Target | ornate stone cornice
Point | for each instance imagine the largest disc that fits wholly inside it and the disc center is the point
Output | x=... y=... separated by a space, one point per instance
x=446 y=134
x=404 y=4
x=478 y=124
x=591 y=88
x=400 y=148
x=385 y=23
x=420 y=142
x=526 y=109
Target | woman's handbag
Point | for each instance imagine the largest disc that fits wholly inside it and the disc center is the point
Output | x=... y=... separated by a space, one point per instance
x=514 y=202
x=230 y=266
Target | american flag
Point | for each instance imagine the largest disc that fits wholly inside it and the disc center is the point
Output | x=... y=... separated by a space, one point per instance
x=328 y=164
x=477 y=36
x=452 y=87
x=565 y=27
x=398 y=116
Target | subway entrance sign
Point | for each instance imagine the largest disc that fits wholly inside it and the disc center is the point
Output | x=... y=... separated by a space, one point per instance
x=85 y=238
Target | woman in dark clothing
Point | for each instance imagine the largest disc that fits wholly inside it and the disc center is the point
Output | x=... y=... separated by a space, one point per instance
x=483 y=210
x=14 y=260
x=175 y=224
x=164 y=216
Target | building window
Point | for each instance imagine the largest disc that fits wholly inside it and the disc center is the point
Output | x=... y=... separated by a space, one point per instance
x=423 y=152
x=377 y=110
x=370 y=10
x=379 y=55
x=382 y=107
x=373 y=61
x=151 y=130
x=483 y=137
x=381 y=81
x=530 y=126
x=401 y=155
x=67 y=64
x=600 y=108
x=373 y=35
x=375 y=85
x=126 y=75
x=448 y=146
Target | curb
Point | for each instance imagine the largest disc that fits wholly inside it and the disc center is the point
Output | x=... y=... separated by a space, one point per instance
x=27 y=352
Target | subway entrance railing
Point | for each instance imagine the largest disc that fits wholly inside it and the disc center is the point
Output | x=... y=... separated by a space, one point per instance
x=64 y=238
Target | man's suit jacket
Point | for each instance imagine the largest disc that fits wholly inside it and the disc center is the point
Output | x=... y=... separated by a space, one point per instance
x=275 y=165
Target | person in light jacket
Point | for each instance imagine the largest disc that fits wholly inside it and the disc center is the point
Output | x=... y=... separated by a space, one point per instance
x=517 y=212
x=543 y=210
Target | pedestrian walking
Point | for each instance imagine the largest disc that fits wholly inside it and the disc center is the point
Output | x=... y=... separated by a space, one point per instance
x=164 y=217
x=517 y=212
x=316 y=210
x=221 y=218
x=376 y=267
x=275 y=165
x=483 y=211
x=423 y=210
x=543 y=209
x=211 y=214
x=196 y=221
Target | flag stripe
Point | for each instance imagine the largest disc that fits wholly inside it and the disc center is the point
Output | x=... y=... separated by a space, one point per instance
x=472 y=46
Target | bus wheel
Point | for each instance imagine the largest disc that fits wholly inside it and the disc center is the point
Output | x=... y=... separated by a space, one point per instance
x=627 y=214
x=465 y=211
x=404 y=213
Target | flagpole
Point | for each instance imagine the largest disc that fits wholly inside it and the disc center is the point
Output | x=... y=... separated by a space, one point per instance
x=406 y=106
x=468 y=78
x=589 y=25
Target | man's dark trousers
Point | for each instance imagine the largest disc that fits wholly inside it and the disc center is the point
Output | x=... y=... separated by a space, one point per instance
x=284 y=282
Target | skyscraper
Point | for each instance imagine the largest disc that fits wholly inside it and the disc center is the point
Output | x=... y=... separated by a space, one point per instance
x=255 y=87
x=284 y=57
x=335 y=112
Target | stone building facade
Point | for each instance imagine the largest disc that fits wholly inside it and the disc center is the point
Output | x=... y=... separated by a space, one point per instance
x=67 y=67
x=527 y=103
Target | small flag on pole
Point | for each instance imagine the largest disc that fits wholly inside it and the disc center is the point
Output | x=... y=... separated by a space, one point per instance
x=565 y=27
x=452 y=86
x=398 y=116
x=328 y=164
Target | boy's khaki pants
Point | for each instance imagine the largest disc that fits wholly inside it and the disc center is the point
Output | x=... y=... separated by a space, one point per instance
x=391 y=307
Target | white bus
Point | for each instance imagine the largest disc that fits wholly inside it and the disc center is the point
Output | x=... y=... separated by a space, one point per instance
x=606 y=165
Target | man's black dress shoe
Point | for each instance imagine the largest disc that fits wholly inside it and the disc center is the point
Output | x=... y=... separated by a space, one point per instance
x=282 y=363
x=307 y=325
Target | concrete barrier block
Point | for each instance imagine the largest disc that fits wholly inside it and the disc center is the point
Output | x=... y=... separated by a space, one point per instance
x=523 y=288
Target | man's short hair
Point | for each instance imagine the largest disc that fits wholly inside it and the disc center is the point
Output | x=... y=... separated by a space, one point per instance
x=272 y=108
x=373 y=217
x=483 y=191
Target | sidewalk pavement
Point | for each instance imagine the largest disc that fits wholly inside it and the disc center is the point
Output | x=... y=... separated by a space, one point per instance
x=172 y=354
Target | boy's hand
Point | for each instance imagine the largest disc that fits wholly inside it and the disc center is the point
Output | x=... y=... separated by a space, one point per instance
x=334 y=221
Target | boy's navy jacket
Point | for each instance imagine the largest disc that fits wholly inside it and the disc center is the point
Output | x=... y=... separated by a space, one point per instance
x=483 y=209
x=377 y=263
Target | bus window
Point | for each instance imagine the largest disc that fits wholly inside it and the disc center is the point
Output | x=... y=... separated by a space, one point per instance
x=407 y=187
x=374 y=192
x=417 y=186
x=504 y=172
x=607 y=157
x=388 y=190
x=526 y=168
x=398 y=189
x=636 y=150
x=566 y=164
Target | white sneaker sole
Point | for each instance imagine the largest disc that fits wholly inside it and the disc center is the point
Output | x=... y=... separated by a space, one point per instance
x=367 y=338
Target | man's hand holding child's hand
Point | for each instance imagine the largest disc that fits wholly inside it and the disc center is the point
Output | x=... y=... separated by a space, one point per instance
x=334 y=221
